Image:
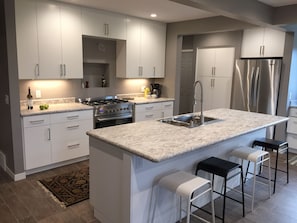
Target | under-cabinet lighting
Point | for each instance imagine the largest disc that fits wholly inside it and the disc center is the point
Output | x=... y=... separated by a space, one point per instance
x=153 y=15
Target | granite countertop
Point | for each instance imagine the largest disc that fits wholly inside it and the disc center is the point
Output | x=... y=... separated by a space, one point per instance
x=55 y=108
x=143 y=100
x=158 y=141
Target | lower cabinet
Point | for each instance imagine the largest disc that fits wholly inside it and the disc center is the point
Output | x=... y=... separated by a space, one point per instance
x=292 y=130
x=151 y=111
x=53 y=138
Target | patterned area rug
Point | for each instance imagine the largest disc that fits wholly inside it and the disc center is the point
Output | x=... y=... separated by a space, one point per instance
x=69 y=188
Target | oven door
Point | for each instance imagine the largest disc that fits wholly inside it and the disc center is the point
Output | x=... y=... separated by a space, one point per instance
x=106 y=122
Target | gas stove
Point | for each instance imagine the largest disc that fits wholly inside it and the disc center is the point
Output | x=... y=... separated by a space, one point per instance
x=110 y=111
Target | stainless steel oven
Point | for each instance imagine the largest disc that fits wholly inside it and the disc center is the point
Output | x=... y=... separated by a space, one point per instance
x=110 y=111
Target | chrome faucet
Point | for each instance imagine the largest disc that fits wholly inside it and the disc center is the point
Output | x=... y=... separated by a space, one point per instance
x=201 y=101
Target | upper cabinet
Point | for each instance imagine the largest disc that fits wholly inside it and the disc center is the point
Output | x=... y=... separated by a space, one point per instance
x=49 y=44
x=103 y=24
x=143 y=53
x=262 y=42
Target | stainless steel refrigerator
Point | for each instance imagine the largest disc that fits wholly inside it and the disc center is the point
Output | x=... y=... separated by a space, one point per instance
x=256 y=86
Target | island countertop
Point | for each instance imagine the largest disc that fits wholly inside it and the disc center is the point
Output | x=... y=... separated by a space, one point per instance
x=156 y=141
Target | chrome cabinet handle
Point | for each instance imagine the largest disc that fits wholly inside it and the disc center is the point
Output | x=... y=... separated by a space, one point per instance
x=49 y=134
x=72 y=146
x=35 y=122
x=72 y=126
x=72 y=117
x=64 y=69
x=61 y=70
x=36 y=71
x=106 y=29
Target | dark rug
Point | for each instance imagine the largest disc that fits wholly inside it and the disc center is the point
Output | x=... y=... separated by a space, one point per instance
x=69 y=188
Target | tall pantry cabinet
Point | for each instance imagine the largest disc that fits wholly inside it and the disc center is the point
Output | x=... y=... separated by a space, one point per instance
x=214 y=68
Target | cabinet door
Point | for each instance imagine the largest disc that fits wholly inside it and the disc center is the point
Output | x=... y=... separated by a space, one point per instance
x=274 y=43
x=205 y=62
x=133 y=48
x=71 y=34
x=153 y=36
x=224 y=62
x=252 y=42
x=103 y=24
x=37 y=144
x=26 y=37
x=221 y=94
x=49 y=40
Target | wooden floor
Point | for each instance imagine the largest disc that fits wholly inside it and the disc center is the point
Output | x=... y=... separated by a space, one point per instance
x=25 y=201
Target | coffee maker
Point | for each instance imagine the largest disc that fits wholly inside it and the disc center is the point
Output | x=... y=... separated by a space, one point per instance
x=156 y=89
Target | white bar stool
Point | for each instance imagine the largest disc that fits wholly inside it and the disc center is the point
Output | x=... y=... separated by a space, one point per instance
x=185 y=185
x=258 y=157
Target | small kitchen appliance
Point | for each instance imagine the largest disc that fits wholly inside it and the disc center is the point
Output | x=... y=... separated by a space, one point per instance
x=156 y=89
x=110 y=111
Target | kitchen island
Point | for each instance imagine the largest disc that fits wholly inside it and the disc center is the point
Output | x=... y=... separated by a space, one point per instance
x=126 y=161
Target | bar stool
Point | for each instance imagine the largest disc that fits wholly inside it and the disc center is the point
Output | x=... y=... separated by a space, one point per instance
x=258 y=157
x=223 y=168
x=280 y=147
x=185 y=185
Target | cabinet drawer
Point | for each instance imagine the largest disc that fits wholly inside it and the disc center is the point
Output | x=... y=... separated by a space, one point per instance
x=292 y=125
x=150 y=115
x=167 y=105
x=36 y=120
x=148 y=107
x=292 y=140
x=71 y=116
x=293 y=112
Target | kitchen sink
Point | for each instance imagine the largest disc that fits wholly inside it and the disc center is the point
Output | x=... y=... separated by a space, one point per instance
x=188 y=120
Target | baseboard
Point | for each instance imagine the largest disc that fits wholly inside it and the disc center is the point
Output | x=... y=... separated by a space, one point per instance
x=16 y=177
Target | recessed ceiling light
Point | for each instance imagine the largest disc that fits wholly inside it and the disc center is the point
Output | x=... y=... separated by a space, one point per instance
x=153 y=15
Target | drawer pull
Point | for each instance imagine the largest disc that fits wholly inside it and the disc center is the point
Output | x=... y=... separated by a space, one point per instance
x=35 y=122
x=73 y=127
x=168 y=105
x=149 y=108
x=72 y=146
x=149 y=116
x=49 y=134
x=72 y=117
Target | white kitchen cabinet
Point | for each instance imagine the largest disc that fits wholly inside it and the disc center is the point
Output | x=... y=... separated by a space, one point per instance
x=103 y=24
x=262 y=42
x=37 y=141
x=151 y=111
x=292 y=130
x=214 y=68
x=69 y=138
x=143 y=52
x=51 y=48
x=53 y=138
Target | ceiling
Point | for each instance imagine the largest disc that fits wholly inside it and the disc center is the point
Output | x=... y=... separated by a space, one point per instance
x=167 y=10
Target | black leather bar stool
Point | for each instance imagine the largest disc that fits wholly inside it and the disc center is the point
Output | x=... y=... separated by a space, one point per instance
x=279 y=147
x=222 y=168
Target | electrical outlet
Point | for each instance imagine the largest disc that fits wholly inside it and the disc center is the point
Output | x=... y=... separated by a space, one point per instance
x=142 y=88
x=38 y=94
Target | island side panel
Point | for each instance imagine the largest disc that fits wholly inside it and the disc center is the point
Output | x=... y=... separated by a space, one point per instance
x=110 y=173
x=129 y=181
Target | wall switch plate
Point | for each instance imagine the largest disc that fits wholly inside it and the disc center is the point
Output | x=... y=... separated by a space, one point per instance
x=38 y=94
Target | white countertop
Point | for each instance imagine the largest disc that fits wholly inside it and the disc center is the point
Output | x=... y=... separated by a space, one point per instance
x=55 y=108
x=143 y=100
x=158 y=141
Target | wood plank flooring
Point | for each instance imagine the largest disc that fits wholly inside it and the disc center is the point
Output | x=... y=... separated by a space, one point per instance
x=26 y=202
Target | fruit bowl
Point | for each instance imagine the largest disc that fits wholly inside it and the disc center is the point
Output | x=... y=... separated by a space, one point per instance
x=43 y=106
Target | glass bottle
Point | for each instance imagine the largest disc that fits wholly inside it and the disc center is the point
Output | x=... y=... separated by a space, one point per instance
x=29 y=99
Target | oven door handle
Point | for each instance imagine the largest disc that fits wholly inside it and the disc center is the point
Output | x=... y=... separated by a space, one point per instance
x=113 y=118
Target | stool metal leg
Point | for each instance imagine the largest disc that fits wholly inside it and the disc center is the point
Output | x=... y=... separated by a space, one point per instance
x=275 y=171
x=269 y=175
x=224 y=202
x=242 y=191
x=254 y=185
x=180 y=209
x=287 y=165
x=189 y=210
x=212 y=204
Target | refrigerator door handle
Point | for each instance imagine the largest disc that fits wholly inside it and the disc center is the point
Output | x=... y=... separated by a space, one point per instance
x=257 y=89
x=251 y=89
